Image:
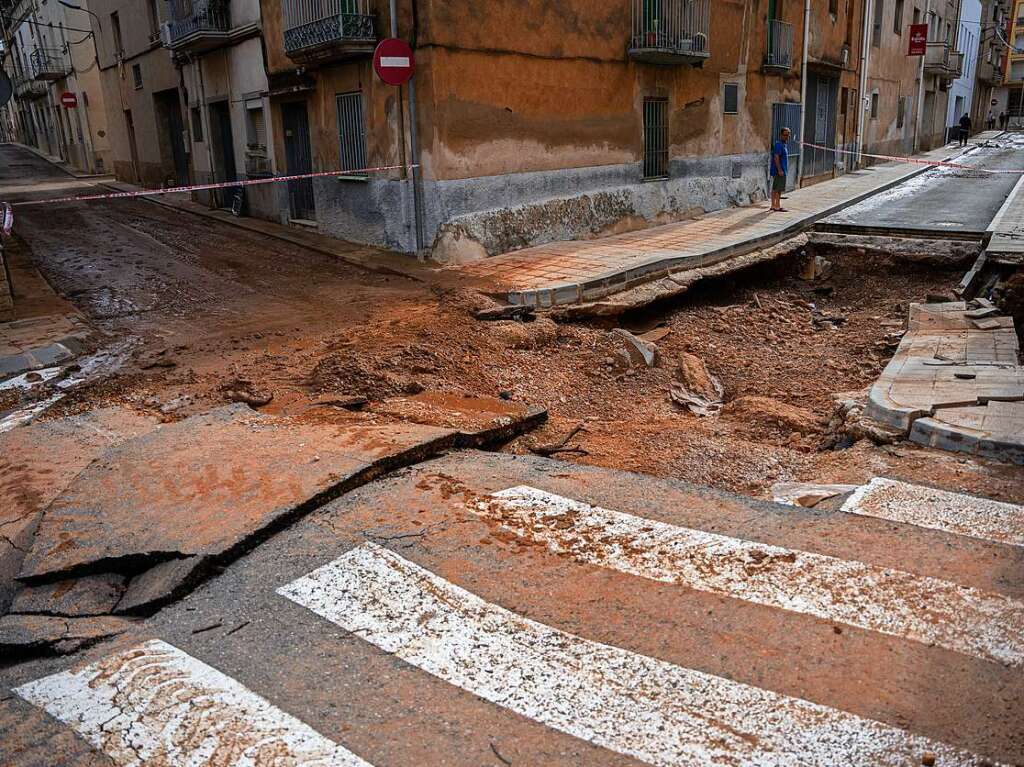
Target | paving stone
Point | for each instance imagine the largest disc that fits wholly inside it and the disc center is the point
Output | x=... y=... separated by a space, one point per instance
x=944 y=405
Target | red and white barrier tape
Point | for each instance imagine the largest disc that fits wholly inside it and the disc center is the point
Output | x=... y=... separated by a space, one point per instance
x=915 y=160
x=218 y=185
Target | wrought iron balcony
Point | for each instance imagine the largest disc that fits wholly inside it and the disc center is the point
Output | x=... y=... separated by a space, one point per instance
x=670 y=31
x=25 y=87
x=48 y=64
x=778 y=55
x=196 y=25
x=325 y=30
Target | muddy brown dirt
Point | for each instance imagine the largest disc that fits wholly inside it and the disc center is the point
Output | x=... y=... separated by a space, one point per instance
x=223 y=308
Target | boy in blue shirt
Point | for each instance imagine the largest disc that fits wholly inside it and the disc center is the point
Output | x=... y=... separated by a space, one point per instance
x=780 y=167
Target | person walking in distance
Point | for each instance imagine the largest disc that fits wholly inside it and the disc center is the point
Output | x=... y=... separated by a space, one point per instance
x=1004 y=119
x=965 y=128
x=991 y=122
x=780 y=168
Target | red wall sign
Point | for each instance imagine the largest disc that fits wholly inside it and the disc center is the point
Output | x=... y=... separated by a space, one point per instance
x=68 y=100
x=918 y=40
x=393 y=61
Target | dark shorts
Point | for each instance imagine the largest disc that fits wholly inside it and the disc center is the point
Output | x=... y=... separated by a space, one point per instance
x=778 y=183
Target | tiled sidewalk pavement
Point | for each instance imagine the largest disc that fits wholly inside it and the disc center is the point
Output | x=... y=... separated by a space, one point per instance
x=561 y=273
x=954 y=383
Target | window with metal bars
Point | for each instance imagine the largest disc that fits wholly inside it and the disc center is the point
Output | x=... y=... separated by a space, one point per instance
x=655 y=137
x=731 y=99
x=351 y=131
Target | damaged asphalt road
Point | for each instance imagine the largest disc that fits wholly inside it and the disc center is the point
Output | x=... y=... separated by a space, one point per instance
x=348 y=624
x=155 y=513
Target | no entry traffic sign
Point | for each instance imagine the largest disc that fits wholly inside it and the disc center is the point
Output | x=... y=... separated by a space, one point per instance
x=393 y=61
x=68 y=100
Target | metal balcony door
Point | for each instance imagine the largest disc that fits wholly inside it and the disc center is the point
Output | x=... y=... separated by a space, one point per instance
x=299 y=159
x=787 y=116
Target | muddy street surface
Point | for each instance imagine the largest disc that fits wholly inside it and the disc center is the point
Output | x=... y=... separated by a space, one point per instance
x=944 y=200
x=209 y=309
x=286 y=510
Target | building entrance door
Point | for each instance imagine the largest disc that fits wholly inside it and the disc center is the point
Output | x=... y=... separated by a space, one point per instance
x=298 y=156
x=223 y=150
x=788 y=116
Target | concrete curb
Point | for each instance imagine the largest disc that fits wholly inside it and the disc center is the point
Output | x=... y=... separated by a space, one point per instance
x=669 y=262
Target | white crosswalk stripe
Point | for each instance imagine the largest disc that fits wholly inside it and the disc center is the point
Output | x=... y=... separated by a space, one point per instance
x=920 y=608
x=939 y=510
x=154 y=704
x=635 y=705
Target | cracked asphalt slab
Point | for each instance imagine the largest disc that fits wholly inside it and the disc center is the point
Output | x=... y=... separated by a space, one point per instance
x=142 y=512
x=360 y=679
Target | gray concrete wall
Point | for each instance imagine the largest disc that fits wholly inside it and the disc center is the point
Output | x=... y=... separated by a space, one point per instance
x=468 y=219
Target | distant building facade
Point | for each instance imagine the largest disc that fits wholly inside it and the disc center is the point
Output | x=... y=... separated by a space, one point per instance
x=526 y=121
x=50 y=55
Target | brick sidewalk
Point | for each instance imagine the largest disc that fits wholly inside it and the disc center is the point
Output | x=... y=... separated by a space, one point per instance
x=562 y=273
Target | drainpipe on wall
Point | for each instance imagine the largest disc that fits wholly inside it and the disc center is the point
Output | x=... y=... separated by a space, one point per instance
x=865 y=63
x=803 y=89
x=202 y=117
x=919 y=122
x=414 y=176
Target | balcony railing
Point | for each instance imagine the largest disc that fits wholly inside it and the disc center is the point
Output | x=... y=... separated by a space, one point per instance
x=936 y=58
x=779 y=52
x=48 y=64
x=321 y=30
x=990 y=73
x=670 y=31
x=25 y=87
x=196 y=25
x=956 y=65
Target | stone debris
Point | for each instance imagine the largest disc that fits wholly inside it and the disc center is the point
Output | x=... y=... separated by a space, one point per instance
x=641 y=353
x=696 y=388
x=807 y=494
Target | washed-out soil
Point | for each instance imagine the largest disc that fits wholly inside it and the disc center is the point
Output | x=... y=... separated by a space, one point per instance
x=273 y=319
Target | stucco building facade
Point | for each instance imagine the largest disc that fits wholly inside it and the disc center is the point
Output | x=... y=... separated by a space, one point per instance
x=49 y=51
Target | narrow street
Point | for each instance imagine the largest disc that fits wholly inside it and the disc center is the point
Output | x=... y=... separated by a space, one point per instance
x=363 y=523
x=943 y=201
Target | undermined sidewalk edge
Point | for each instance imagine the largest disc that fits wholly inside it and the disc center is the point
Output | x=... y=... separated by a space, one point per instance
x=611 y=283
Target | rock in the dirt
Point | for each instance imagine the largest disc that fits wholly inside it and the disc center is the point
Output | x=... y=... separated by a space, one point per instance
x=695 y=376
x=765 y=411
x=695 y=388
x=640 y=352
x=816 y=268
x=523 y=313
x=807 y=494
x=38 y=634
x=250 y=398
x=90 y=595
x=531 y=335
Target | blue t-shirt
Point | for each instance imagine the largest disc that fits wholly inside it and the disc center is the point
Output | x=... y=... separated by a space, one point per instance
x=782 y=150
